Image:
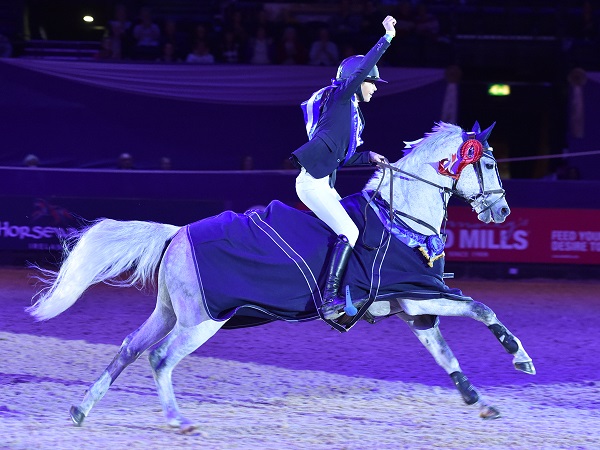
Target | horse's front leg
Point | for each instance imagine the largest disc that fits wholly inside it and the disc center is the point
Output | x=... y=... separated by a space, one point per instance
x=432 y=339
x=521 y=360
x=480 y=312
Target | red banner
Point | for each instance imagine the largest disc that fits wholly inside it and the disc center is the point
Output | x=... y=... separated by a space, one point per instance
x=529 y=235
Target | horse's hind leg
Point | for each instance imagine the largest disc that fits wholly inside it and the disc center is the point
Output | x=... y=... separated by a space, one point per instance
x=194 y=326
x=432 y=339
x=164 y=358
x=160 y=322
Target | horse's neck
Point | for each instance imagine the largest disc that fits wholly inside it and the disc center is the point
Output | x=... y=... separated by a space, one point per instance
x=417 y=198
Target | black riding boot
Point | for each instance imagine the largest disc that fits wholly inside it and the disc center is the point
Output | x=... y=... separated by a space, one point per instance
x=332 y=302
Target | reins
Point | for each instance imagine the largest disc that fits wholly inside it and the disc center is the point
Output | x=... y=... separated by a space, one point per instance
x=444 y=190
x=392 y=212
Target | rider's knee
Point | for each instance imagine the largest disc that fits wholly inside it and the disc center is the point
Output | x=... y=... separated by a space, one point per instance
x=352 y=236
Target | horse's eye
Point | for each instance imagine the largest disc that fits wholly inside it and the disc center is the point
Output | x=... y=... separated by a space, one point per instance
x=489 y=166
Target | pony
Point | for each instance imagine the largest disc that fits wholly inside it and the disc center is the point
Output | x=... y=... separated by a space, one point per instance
x=236 y=270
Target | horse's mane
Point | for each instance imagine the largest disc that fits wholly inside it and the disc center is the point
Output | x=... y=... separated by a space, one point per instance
x=431 y=142
x=440 y=132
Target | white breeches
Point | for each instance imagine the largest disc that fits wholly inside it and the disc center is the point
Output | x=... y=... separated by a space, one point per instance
x=324 y=201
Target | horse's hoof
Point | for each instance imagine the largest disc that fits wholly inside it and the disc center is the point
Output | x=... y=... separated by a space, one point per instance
x=77 y=415
x=489 y=413
x=189 y=429
x=183 y=426
x=526 y=367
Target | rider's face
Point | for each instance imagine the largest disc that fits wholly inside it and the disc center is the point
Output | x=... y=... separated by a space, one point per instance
x=367 y=89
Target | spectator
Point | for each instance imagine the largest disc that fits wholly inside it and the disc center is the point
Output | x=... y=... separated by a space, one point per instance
x=427 y=26
x=201 y=54
x=125 y=161
x=230 y=51
x=147 y=37
x=345 y=24
x=588 y=24
x=165 y=163
x=31 y=160
x=263 y=20
x=179 y=42
x=347 y=50
x=106 y=49
x=168 y=53
x=290 y=49
x=235 y=22
x=260 y=48
x=565 y=171
x=201 y=33
x=119 y=31
x=407 y=51
x=247 y=163
x=323 y=51
x=405 y=26
x=371 y=21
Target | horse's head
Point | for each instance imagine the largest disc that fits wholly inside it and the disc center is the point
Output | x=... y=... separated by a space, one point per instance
x=476 y=178
x=453 y=161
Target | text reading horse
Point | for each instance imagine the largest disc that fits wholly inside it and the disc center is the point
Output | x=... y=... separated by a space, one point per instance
x=235 y=270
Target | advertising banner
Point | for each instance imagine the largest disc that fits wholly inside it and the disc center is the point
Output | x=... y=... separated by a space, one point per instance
x=529 y=235
x=40 y=223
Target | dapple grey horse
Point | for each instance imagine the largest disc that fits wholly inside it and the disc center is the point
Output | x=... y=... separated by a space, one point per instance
x=447 y=161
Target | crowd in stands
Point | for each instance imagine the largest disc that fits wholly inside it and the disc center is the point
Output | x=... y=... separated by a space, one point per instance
x=252 y=36
x=255 y=35
x=429 y=32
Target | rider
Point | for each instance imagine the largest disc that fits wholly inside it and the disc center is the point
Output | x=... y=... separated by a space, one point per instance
x=334 y=124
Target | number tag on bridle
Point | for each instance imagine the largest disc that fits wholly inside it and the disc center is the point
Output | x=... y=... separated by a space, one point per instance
x=469 y=153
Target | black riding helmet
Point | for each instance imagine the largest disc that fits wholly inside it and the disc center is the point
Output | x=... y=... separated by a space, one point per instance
x=350 y=64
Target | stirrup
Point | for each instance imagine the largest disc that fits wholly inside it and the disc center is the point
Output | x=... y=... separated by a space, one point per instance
x=335 y=307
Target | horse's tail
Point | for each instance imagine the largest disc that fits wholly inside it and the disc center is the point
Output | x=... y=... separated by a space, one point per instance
x=101 y=253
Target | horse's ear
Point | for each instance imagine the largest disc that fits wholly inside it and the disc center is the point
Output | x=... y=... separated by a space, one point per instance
x=485 y=134
x=476 y=128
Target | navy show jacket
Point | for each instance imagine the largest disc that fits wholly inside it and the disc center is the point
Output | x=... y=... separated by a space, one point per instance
x=326 y=151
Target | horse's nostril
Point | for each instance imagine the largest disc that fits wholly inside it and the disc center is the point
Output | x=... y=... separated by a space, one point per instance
x=505 y=211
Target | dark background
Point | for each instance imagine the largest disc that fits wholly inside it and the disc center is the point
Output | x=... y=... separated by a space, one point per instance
x=532 y=45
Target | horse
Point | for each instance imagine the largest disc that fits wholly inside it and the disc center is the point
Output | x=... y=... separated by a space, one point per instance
x=205 y=273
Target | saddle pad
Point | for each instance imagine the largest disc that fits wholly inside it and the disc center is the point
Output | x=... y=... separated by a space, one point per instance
x=267 y=263
x=270 y=265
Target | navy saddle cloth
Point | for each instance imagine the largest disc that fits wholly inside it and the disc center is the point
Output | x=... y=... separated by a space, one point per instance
x=270 y=265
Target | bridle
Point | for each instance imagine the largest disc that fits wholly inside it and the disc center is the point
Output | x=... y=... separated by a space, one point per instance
x=478 y=200
x=481 y=199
